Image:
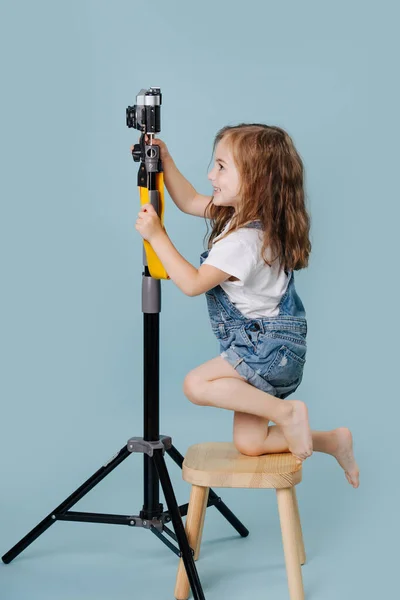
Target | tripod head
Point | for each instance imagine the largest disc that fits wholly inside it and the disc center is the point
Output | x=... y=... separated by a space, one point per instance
x=145 y=116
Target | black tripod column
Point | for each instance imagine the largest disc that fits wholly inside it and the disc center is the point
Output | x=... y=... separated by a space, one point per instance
x=151 y=505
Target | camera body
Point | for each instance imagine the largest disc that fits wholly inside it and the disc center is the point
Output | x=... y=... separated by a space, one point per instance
x=145 y=115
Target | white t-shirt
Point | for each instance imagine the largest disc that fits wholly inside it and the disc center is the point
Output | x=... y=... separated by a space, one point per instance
x=259 y=288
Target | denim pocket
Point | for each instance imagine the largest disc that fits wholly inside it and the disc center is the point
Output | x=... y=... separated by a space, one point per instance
x=294 y=337
x=286 y=368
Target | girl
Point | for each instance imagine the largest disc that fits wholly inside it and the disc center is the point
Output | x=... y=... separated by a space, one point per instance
x=259 y=237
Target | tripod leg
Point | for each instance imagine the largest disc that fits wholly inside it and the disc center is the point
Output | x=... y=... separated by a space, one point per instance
x=220 y=505
x=178 y=526
x=66 y=505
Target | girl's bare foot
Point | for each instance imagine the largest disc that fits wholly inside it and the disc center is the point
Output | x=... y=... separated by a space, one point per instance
x=296 y=429
x=342 y=450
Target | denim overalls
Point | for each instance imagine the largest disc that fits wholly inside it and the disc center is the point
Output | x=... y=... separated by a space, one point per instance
x=269 y=352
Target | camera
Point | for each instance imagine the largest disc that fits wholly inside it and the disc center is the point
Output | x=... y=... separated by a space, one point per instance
x=145 y=115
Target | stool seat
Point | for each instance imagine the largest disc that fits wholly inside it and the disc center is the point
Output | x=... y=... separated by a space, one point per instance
x=220 y=464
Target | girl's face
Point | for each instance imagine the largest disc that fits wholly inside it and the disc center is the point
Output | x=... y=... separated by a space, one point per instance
x=224 y=177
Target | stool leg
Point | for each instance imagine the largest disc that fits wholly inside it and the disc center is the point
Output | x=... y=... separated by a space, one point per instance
x=289 y=537
x=201 y=525
x=299 y=533
x=194 y=531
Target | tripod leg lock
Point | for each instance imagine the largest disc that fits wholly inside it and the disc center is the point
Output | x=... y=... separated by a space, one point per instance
x=138 y=444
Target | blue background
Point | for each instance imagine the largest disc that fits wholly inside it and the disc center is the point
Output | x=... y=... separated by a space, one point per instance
x=71 y=262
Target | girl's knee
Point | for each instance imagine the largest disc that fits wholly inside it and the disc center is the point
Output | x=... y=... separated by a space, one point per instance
x=248 y=448
x=250 y=433
x=193 y=388
x=247 y=445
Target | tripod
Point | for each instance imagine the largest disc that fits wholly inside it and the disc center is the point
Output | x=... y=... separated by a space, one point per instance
x=144 y=115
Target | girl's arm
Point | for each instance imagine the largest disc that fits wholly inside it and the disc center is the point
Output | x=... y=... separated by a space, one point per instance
x=190 y=280
x=181 y=190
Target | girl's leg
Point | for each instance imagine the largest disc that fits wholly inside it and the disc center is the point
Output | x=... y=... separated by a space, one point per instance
x=250 y=438
x=216 y=383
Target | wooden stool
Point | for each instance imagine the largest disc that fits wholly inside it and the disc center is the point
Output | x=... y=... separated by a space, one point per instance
x=219 y=464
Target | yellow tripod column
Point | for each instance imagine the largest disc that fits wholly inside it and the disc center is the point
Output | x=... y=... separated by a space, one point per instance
x=154 y=264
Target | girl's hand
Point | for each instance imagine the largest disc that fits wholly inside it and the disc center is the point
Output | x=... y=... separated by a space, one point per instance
x=148 y=223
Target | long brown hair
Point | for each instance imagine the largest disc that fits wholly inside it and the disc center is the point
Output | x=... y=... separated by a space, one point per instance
x=271 y=190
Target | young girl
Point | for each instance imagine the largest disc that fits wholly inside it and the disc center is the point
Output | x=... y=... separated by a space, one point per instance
x=259 y=237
